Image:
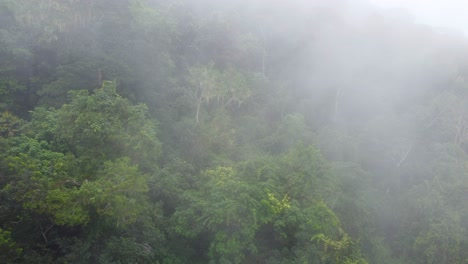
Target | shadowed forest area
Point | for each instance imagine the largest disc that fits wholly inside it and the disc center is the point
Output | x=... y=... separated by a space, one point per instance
x=217 y=131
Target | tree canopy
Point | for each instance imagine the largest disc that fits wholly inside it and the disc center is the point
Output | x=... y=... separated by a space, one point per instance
x=163 y=131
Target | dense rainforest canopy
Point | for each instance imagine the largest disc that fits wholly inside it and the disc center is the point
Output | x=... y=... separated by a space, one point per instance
x=217 y=131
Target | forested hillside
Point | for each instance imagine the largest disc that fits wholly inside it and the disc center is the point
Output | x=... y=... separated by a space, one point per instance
x=218 y=131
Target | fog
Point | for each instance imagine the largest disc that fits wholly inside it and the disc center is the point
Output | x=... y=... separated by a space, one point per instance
x=442 y=15
x=218 y=131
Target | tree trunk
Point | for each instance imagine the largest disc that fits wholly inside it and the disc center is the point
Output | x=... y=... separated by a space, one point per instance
x=198 y=111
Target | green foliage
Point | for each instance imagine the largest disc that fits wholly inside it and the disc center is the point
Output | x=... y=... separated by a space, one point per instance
x=227 y=87
x=103 y=126
x=72 y=173
x=118 y=194
x=292 y=131
x=10 y=125
x=238 y=206
x=13 y=56
x=81 y=72
x=40 y=181
x=8 y=247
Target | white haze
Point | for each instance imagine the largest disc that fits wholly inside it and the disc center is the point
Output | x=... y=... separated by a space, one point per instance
x=444 y=15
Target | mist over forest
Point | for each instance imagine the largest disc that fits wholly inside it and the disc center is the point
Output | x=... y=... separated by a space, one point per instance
x=221 y=131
